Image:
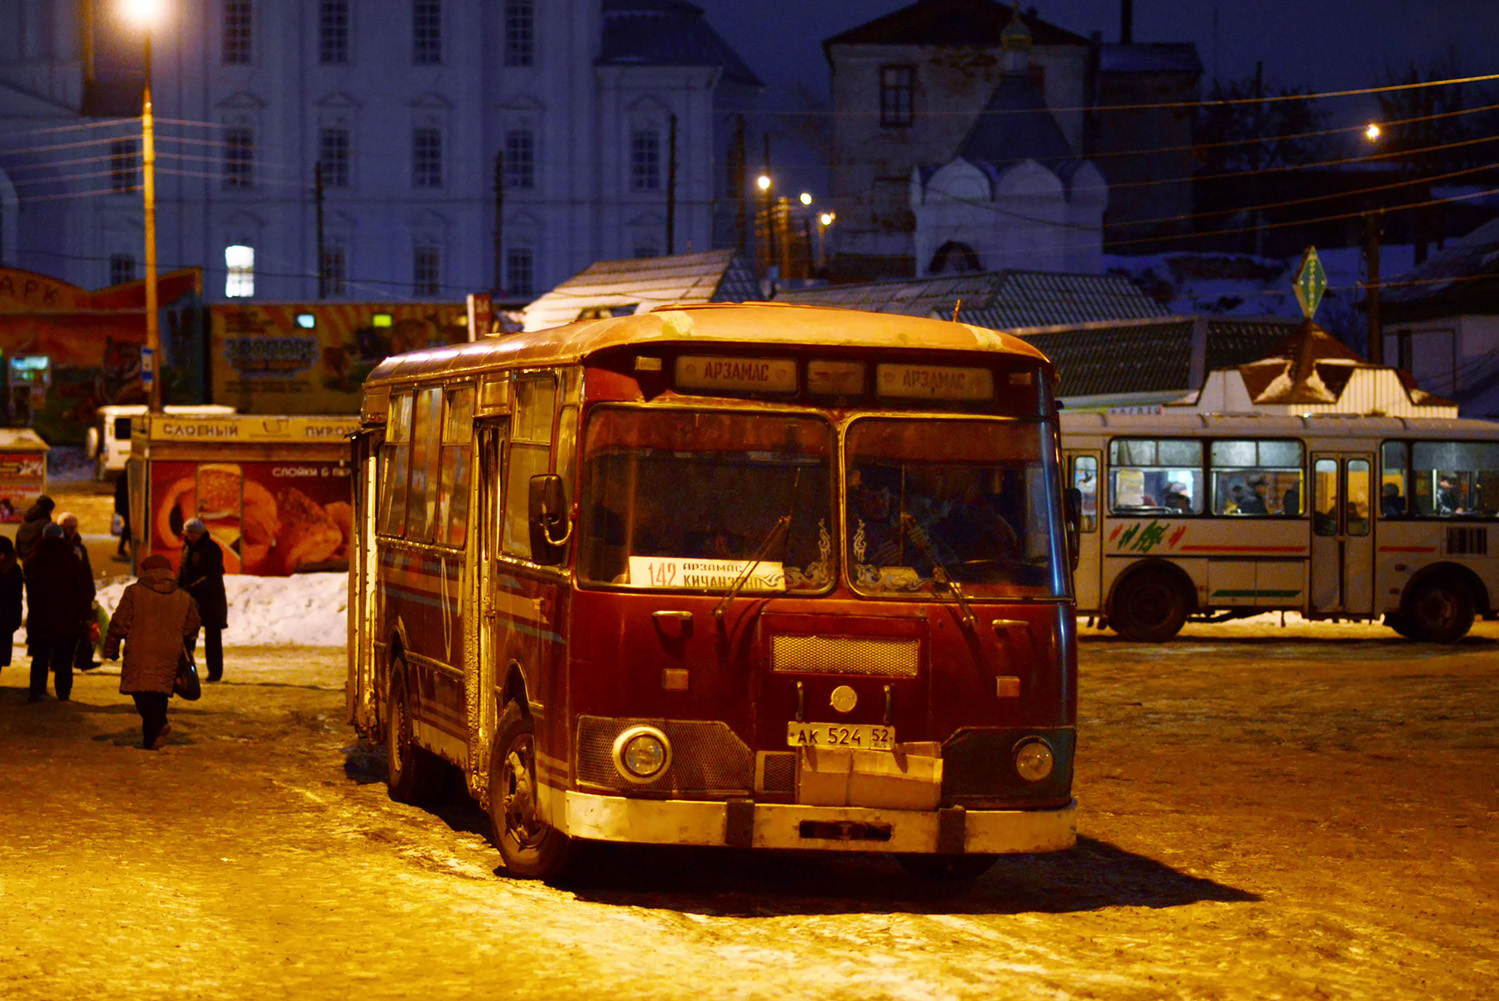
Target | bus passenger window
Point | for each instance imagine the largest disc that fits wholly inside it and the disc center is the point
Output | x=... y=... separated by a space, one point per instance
x=1325 y=481
x=1085 y=478
x=421 y=505
x=530 y=455
x=1156 y=476
x=457 y=447
x=395 y=458
x=1392 y=489
x=1252 y=477
x=1456 y=478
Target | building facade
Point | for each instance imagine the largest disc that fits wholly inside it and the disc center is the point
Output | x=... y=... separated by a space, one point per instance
x=381 y=151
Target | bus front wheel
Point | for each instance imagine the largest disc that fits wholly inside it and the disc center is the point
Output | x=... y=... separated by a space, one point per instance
x=411 y=770
x=1439 y=611
x=1149 y=607
x=530 y=847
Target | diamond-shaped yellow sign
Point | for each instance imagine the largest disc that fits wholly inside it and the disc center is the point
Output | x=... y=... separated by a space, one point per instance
x=1310 y=282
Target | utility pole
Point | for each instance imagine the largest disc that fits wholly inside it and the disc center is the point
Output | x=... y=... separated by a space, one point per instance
x=322 y=259
x=499 y=221
x=1372 y=233
x=1254 y=177
x=671 y=189
x=770 y=219
x=148 y=185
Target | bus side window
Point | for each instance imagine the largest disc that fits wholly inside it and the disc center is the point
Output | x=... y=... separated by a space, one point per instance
x=1393 y=488
x=1085 y=479
x=395 y=457
x=421 y=504
x=535 y=400
x=457 y=450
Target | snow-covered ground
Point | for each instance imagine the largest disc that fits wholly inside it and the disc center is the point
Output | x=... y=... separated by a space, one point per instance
x=305 y=609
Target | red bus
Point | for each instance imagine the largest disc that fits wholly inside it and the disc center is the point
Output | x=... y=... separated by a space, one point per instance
x=755 y=575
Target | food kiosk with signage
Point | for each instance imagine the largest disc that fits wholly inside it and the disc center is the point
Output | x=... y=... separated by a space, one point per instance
x=274 y=491
x=23 y=471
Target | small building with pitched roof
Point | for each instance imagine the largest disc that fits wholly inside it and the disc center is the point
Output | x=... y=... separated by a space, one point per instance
x=1312 y=372
x=641 y=284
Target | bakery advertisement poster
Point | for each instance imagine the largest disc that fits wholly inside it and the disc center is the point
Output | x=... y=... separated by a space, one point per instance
x=271 y=519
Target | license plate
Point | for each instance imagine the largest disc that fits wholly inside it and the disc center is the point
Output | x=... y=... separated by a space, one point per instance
x=860 y=736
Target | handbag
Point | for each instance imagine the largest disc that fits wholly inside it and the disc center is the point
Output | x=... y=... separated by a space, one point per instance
x=186 y=683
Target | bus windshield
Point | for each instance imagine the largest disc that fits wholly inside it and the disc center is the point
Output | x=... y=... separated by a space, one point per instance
x=974 y=498
x=693 y=500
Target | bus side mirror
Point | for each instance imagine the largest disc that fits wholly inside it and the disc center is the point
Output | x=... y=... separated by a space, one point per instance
x=1072 y=500
x=547 y=513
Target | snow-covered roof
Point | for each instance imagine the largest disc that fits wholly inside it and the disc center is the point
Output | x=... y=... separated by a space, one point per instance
x=640 y=284
x=999 y=300
x=1463 y=277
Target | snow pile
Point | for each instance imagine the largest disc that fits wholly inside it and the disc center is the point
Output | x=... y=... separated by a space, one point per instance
x=307 y=609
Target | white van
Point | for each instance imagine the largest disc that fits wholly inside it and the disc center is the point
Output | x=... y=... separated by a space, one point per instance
x=108 y=441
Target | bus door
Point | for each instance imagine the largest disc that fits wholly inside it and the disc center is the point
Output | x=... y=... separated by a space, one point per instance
x=484 y=548
x=1342 y=571
x=1082 y=473
x=364 y=589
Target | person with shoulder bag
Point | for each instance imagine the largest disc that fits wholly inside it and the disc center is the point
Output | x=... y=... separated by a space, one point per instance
x=156 y=620
x=202 y=574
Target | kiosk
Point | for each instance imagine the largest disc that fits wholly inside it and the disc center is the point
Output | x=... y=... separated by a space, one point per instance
x=274 y=491
x=23 y=471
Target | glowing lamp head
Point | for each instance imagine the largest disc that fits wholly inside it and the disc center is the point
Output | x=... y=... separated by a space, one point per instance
x=806 y=198
x=1372 y=132
x=763 y=182
x=826 y=218
x=144 y=13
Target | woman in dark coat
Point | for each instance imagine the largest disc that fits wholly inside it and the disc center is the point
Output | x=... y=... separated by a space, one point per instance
x=38 y=516
x=202 y=575
x=11 y=584
x=59 y=605
x=156 y=620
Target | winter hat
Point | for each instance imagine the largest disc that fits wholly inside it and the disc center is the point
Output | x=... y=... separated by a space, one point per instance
x=54 y=531
x=155 y=562
x=194 y=527
x=45 y=503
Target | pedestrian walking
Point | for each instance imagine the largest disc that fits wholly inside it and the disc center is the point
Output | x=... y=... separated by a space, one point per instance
x=59 y=596
x=38 y=516
x=122 y=511
x=202 y=576
x=157 y=621
x=11 y=584
x=83 y=656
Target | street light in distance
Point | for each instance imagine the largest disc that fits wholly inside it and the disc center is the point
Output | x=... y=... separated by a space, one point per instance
x=147 y=14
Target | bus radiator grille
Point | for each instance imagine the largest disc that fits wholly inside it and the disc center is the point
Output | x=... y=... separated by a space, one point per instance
x=707 y=758
x=877 y=656
x=778 y=771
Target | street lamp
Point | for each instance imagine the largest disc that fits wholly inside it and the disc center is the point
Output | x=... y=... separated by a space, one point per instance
x=823 y=222
x=1372 y=233
x=146 y=14
x=763 y=182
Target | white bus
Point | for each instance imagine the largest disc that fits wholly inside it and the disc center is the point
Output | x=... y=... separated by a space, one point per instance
x=1216 y=517
x=107 y=441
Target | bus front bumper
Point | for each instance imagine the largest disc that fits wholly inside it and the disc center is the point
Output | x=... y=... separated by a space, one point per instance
x=746 y=824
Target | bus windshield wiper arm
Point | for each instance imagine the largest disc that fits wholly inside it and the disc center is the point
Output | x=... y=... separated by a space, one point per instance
x=783 y=522
x=940 y=575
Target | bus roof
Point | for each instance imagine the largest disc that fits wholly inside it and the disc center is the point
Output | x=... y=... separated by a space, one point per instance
x=1206 y=425
x=719 y=324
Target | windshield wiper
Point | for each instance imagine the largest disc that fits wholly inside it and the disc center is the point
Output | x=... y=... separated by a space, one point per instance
x=940 y=576
x=783 y=522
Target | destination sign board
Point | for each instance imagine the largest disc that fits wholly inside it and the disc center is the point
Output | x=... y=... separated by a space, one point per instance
x=704 y=574
x=741 y=375
x=934 y=382
x=835 y=378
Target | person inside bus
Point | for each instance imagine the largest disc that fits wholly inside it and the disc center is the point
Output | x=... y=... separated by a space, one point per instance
x=1252 y=501
x=873 y=510
x=1177 y=498
x=1391 y=504
x=1447 y=499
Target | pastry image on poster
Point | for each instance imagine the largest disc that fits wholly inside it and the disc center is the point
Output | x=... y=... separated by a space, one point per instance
x=270 y=518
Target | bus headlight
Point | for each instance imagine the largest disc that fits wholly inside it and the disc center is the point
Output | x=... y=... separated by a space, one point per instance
x=642 y=753
x=1033 y=759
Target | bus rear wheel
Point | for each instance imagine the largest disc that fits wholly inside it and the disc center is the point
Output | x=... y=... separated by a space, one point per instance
x=1149 y=607
x=1439 y=611
x=411 y=771
x=530 y=847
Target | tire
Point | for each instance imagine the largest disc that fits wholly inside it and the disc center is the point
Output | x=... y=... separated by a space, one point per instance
x=946 y=868
x=411 y=771
x=1439 y=610
x=1149 y=606
x=530 y=848
x=1397 y=622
